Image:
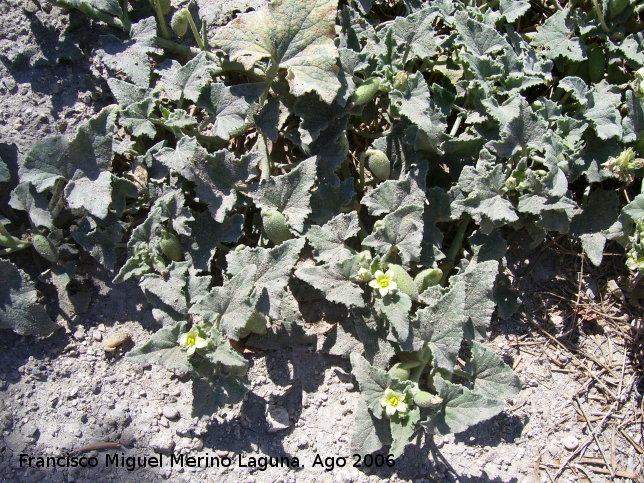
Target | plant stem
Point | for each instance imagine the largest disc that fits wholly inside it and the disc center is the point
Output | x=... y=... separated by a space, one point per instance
x=195 y=32
x=125 y=18
x=456 y=125
x=392 y=250
x=361 y=174
x=455 y=247
x=600 y=15
x=165 y=33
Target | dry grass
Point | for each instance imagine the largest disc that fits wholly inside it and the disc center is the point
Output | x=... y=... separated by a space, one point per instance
x=588 y=323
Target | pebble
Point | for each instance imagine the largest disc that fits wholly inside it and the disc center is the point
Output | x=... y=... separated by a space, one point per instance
x=277 y=418
x=571 y=443
x=162 y=442
x=171 y=413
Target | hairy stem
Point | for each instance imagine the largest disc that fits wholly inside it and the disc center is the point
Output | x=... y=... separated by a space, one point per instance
x=165 y=33
x=195 y=32
x=600 y=15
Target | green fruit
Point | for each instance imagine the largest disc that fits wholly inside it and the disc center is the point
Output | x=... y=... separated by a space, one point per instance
x=378 y=163
x=367 y=91
x=618 y=6
x=171 y=247
x=404 y=282
x=399 y=372
x=537 y=105
x=596 y=63
x=45 y=248
x=275 y=226
x=164 y=6
x=428 y=278
x=426 y=399
x=179 y=22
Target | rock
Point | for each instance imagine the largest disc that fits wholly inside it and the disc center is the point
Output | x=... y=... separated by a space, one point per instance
x=277 y=418
x=162 y=442
x=171 y=413
x=570 y=443
x=113 y=341
x=79 y=333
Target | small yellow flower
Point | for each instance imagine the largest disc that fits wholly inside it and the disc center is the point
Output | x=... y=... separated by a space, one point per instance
x=393 y=402
x=193 y=340
x=383 y=282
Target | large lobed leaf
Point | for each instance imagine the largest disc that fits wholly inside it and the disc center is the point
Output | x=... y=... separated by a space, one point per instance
x=296 y=35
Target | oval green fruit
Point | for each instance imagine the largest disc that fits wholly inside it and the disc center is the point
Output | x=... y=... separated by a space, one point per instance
x=596 y=63
x=367 y=91
x=171 y=247
x=378 y=163
x=275 y=226
x=404 y=281
x=428 y=278
x=179 y=22
x=426 y=399
x=398 y=372
x=45 y=248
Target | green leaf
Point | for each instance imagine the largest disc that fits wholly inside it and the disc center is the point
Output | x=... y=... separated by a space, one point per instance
x=372 y=382
x=59 y=158
x=206 y=234
x=461 y=408
x=526 y=129
x=603 y=110
x=136 y=118
x=295 y=35
x=370 y=434
x=96 y=196
x=512 y=10
x=396 y=308
x=163 y=349
x=599 y=214
x=215 y=175
x=633 y=122
x=416 y=33
x=328 y=240
x=229 y=304
x=492 y=377
x=180 y=82
x=556 y=37
x=24 y=197
x=131 y=56
x=290 y=193
x=486 y=201
x=392 y=194
x=334 y=280
x=274 y=267
x=219 y=351
x=635 y=209
x=127 y=93
x=167 y=293
x=20 y=309
x=478 y=38
x=402 y=430
x=416 y=105
x=441 y=326
x=230 y=107
x=403 y=229
x=212 y=394
x=99 y=239
x=479 y=281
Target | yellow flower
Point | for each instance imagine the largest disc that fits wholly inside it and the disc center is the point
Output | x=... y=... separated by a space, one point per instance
x=193 y=340
x=383 y=282
x=393 y=402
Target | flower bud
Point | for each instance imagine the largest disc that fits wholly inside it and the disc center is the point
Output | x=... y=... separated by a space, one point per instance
x=179 y=22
